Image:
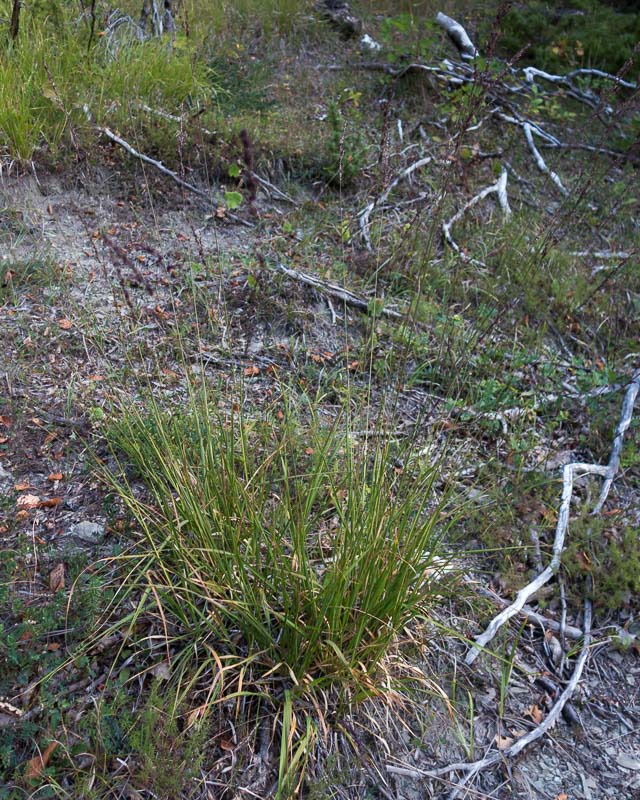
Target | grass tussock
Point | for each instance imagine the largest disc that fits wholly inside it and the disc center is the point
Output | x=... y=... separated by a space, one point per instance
x=277 y=541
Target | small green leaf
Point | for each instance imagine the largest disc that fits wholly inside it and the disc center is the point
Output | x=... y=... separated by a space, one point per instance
x=232 y=200
x=234 y=171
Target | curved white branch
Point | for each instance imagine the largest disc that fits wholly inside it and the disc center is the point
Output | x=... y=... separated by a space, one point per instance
x=569 y=473
x=625 y=421
x=540 y=162
x=365 y=214
x=458 y=36
x=499 y=188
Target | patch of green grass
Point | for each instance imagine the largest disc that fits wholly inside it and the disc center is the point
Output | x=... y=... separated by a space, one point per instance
x=19 y=277
x=47 y=75
x=272 y=543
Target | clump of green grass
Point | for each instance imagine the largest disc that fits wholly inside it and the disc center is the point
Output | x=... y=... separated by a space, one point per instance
x=277 y=540
x=48 y=75
x=27 y=274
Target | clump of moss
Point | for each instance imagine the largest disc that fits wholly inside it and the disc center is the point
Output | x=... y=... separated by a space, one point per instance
x=611 y=555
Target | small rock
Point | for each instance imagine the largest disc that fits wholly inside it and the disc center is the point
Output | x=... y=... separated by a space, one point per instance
x=5 y=477
x=87 y=531
x=369 y=45
x=627 y=761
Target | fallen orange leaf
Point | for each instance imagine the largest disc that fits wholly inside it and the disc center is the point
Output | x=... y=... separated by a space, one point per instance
x=56 y=578
x=26 y=501
x=20 y=487
x=65 y=324
x=503 y=742
x=535 y=713
x=37 y=764
x=227 y=744
x=50 y=502
x=6 y=421
x=252 y=371
x=55 y=476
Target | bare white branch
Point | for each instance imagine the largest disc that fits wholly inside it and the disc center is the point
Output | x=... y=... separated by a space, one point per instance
x=474 y=767
x=569 y=474
x=540 y=162
x=458 y=36
x=499 y=188
x=365 y=214
x=625 y=421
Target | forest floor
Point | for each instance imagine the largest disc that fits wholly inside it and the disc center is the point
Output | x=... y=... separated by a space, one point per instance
x=502 y=362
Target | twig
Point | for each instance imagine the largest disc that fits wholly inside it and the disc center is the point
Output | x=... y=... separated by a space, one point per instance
x=472 y=768
x=277 y=192
x=570 y=472
x=365 y=214
x=152 y=161
x=499 y=188
x=614 y=254
x=531 y=72
x=159 y=166
x=625 y=420
x=570 y=631
x=540 y=162
x=344 y=295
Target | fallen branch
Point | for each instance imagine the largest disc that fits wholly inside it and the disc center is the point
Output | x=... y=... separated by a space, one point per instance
x=540 y=162
x=625 y=421
x=474 y=767
x=445 y=75
x=344 y=295
x=159 y=166
x=570 y=631
x=365 y=214
x=458 y=36
x=531 y=73
x=499 y=188
x=569 y=473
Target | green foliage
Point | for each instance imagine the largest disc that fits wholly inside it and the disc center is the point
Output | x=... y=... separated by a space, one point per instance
x=583 y=33
x=47 y=76
x=280 y=531
x=345 y=149
x=610 y=554
x=32 y=647
x=166 y=757
x=233 y=200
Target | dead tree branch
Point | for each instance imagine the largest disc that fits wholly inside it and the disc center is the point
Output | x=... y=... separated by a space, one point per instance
x=458 y=36
x=569 y=474
x=159 y=166
x=474 y=767
x=625 y=421
x=365 y=214
x=540 y=162
x=499 y=188
x=331 y=289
